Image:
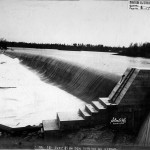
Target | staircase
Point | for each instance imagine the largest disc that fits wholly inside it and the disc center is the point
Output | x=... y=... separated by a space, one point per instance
x=97 y=112
x=91 y=114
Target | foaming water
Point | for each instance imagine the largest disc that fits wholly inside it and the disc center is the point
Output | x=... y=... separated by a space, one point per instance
x=32 y=100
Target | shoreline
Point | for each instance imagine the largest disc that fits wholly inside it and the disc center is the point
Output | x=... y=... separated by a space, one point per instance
x=119 y=54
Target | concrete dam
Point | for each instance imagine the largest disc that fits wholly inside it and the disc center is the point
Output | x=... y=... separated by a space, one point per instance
x=122 y=104
x=81 y=82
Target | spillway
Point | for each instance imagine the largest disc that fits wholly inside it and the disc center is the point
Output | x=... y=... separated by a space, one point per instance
x=42 y=86
x=80 y=81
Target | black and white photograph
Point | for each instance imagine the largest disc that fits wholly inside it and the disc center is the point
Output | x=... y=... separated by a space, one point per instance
x=75 y=74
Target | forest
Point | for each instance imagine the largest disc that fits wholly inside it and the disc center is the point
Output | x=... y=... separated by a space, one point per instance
x=137 y=50
x=74 y=47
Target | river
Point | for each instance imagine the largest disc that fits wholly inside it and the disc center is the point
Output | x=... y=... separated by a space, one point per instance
x=100 y=61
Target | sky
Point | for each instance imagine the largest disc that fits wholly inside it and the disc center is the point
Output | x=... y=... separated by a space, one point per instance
x=109 y=23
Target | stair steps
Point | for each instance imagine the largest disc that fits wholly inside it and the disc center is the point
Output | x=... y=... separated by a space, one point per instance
x=69 y=120
x=84 y=114
x=106 y=103
x=90 y=109
x=50 y=125
x=98 y=106
x=93 y=113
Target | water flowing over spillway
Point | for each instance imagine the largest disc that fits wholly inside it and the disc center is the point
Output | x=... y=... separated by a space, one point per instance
x=26 y=100
x=80 y=82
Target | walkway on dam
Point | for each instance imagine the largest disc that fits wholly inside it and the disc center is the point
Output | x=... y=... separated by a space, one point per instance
x=26 y=100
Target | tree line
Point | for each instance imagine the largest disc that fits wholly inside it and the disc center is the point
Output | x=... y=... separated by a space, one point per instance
x=137 y=50
x=141 y=50
x=74 y=47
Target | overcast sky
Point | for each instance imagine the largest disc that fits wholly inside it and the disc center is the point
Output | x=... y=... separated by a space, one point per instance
x=94 y=22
